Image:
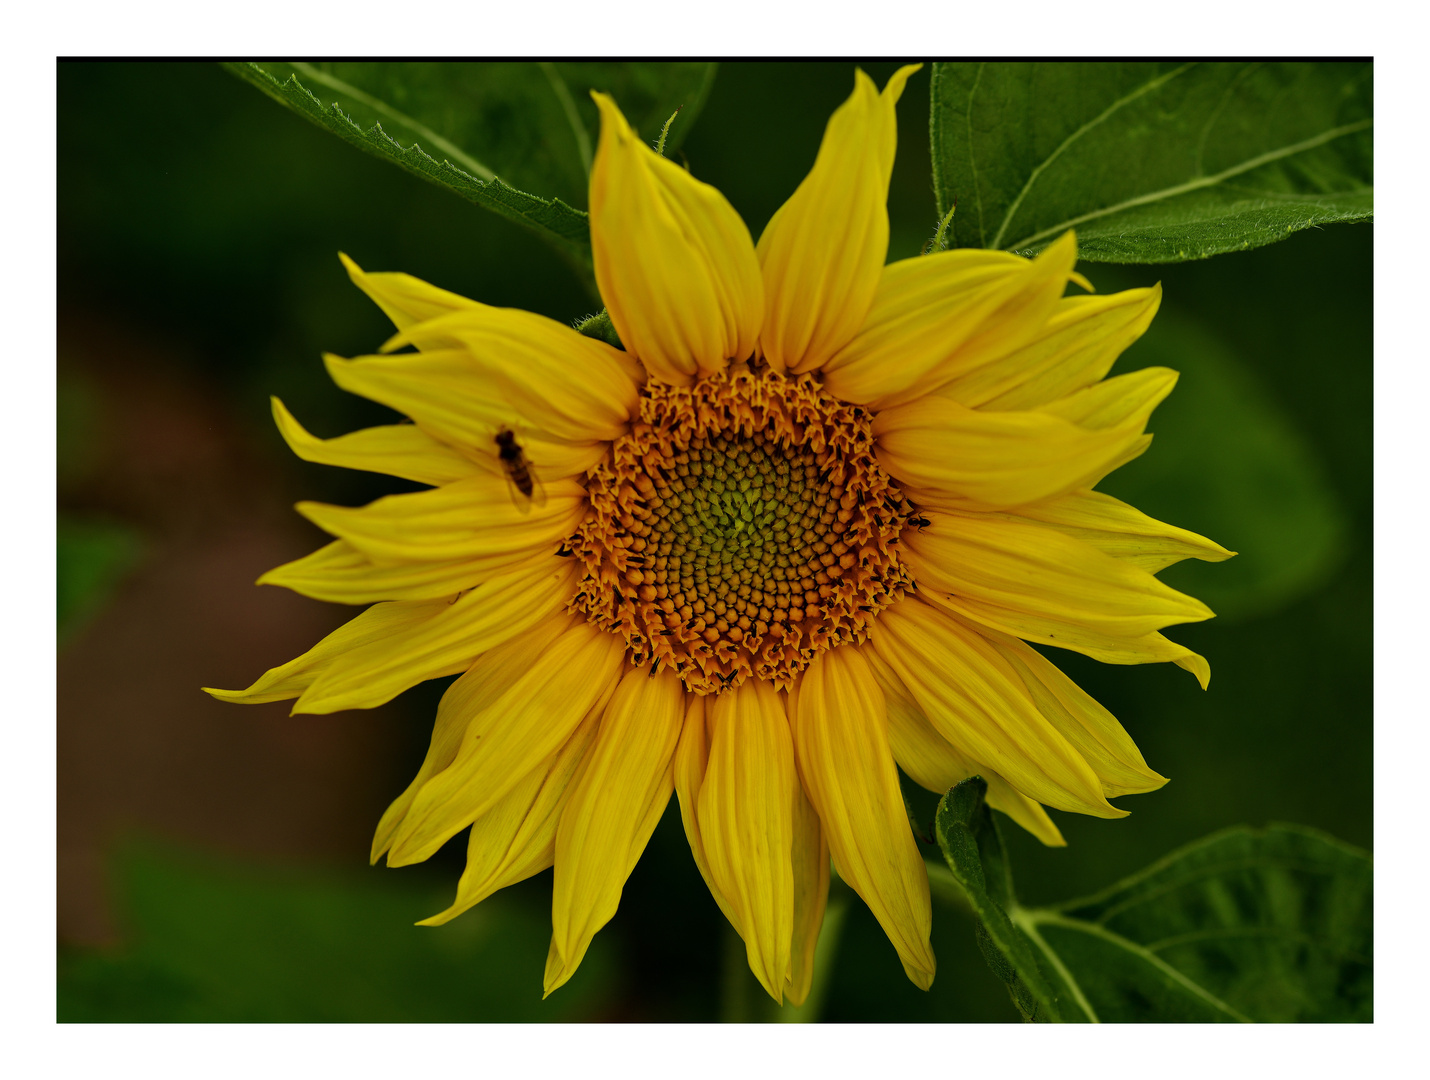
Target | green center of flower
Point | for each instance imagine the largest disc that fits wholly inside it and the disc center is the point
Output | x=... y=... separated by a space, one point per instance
x=735 y=532
x=741 y=528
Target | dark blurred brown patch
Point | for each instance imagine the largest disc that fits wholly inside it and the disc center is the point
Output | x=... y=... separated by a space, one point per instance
x=139 y=744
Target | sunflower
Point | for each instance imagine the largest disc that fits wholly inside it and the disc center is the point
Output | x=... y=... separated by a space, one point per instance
x=801 y=528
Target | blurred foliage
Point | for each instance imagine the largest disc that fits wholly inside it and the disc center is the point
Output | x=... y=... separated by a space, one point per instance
x=204 y=219
x=1225 y=455
x=1246 y=925
x=213 y=941
x=1150 y=162
x=92 y=555
x=93 y=551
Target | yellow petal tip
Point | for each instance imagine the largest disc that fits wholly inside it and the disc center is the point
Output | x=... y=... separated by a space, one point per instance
x=611 y=113
x=1198 y=666
x=894 y=88
x=1063 y=248
x=557 y=972
x=920 y=976
x=402 y=854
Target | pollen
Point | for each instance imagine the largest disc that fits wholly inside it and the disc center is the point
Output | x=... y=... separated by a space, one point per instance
x=741 y=528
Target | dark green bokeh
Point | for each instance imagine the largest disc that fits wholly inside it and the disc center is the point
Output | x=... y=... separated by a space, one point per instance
x=197 y=213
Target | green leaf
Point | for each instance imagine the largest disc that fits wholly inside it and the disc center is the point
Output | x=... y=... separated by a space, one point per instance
x=973 y=849
x=217 y=941
x=1149 y=162
x=1227 y=461
x=1270 y=925
x=494 y=133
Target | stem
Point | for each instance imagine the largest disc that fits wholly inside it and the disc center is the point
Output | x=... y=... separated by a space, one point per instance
x=735 y=980
x=743 y=1000
x=825 y=951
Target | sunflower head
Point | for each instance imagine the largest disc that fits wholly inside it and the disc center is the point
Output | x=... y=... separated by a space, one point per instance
x=795 y=535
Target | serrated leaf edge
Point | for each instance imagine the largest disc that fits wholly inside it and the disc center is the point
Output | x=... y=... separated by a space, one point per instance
x=332 y=82
x=576 y=247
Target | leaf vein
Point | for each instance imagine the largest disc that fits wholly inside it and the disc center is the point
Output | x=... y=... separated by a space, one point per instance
x=1198 y=183
x=568 y=106
x=1020 y=916
x=1214 y=933
x=1145 y=88
x=1226 y=97
x=972 y=156
x=1195 y=876
x=1052 y=918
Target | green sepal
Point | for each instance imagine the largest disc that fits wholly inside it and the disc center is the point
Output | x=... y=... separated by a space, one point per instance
x=600 y=327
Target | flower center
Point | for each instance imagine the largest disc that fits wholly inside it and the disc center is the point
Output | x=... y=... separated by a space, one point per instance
x=741 y=527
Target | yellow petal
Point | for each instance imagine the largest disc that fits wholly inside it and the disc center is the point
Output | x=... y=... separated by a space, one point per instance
x=822 y=252
x=932 y=763
x=999 y=570
x=929 y=759
x=809 y=861
x=510 y=735
x=1117 y=402
x=1099 y=738
x=938 y=317
x=674 y=262
x=378 y=625
x=949 y=456
x=975 y=699
x=483 y=371
x=616 y=801
x=396 y=449
x=1122 y=531
x=842 y=745
x=342 y=574
x=549 y=378
x=477 y=520
x=442 y=390
x=516 y=838
x=809 y=854
x=444 y=643
x=1153 y=648
x=746 y=812
x=489 y=678
x=1025 y=812
x=1074 y=349
x=691 y=757
x=403 y=298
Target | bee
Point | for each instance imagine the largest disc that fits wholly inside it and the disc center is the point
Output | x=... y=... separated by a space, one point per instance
x=525 y=488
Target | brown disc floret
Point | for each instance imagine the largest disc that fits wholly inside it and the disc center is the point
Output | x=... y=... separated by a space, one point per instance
x=742 y=527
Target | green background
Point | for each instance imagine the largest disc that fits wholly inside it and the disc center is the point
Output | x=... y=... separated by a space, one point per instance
x=212 y=858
